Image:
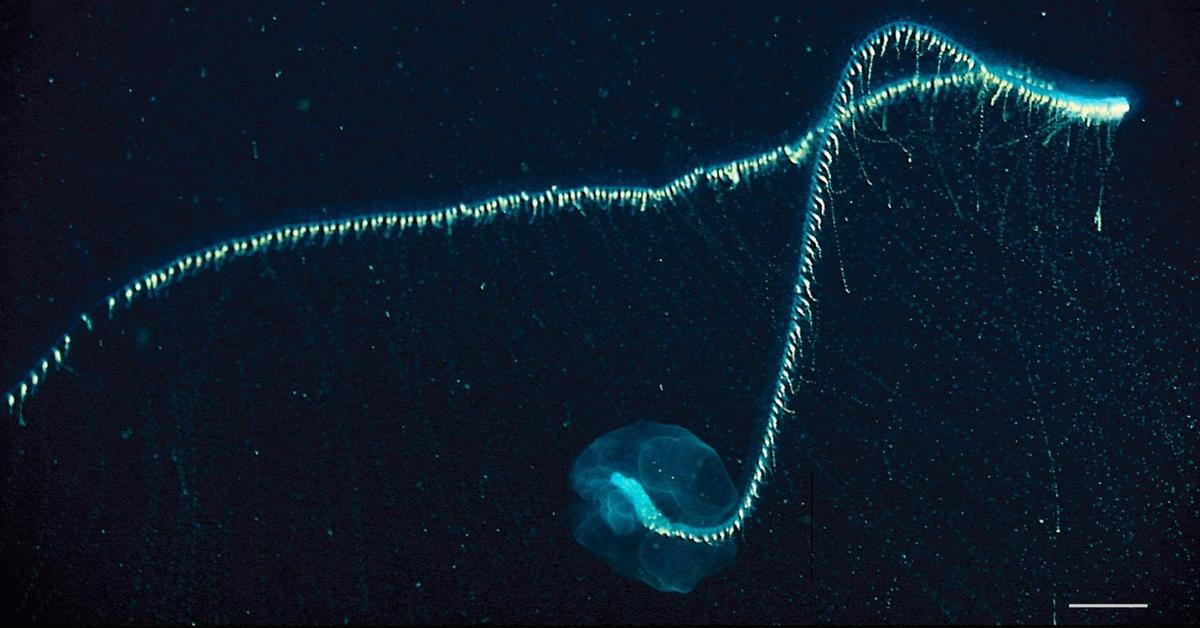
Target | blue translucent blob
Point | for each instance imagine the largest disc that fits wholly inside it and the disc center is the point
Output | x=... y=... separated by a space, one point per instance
x=653 y=473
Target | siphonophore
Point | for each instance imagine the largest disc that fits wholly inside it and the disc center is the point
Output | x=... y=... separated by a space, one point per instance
x=652 y=472
x=671 y=533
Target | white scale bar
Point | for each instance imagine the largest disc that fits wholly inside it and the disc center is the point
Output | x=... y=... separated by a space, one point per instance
x=1108 y=606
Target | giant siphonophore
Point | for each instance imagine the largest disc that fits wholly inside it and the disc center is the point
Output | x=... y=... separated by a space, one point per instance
x=662 y=521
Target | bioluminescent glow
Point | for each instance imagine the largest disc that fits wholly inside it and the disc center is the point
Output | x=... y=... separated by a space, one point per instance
x=897 y=62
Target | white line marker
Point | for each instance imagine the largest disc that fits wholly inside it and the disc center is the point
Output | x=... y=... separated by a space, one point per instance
x=1108 y=606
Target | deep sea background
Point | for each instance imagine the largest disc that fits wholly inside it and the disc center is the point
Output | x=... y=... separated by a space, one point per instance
x=380 y=431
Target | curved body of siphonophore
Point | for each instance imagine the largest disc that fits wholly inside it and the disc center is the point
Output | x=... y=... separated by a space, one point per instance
x=899 y=62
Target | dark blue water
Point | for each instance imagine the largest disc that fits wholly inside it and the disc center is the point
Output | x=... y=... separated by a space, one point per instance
x=997 y=411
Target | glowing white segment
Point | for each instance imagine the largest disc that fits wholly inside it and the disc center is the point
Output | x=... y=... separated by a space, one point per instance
x=1108 y=606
